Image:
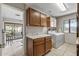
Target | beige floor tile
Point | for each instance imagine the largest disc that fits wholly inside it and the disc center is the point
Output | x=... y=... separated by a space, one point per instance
x=64 y=50
x=59 y=52
x=69 y=54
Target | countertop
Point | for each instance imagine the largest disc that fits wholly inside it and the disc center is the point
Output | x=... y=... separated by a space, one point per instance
x=37 y=36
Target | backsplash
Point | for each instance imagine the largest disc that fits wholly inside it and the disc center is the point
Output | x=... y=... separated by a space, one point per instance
x=35 y=30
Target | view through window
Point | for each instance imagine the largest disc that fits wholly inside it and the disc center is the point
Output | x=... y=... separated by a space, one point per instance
x=70 y=26
x=13 y=31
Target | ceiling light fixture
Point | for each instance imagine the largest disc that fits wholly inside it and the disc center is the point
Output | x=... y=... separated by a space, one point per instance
x=61 y=6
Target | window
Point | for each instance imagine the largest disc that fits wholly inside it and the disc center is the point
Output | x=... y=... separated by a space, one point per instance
x=53 y=22
x=14 y=30
x=70 y=26
x=18 y=31
x=66 y=26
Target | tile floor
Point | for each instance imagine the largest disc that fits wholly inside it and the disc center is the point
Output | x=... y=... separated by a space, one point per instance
x=64 y=50
x=14 y=48
x=19 y=52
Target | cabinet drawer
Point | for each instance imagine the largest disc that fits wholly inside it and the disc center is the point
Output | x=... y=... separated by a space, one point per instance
x=39 y=41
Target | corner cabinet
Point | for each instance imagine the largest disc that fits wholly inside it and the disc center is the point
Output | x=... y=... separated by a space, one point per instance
x=36 y=18
x=39 y=46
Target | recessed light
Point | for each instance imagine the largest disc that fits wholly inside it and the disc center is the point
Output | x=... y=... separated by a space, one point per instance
x=61 y=6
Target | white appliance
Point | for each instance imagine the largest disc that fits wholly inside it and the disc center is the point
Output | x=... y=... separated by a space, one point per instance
x=57 y=39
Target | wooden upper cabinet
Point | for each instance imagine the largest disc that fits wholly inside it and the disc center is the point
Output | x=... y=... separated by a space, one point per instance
x=48 y=21
x=43 y=20
x=78 y=9
x=36 y=18
x=33 y=17
x=27 y=16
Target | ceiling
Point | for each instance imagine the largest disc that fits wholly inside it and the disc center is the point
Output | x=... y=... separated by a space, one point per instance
x=53 y=10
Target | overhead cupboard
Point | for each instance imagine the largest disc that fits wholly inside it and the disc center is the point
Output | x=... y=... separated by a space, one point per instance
x=36 y=18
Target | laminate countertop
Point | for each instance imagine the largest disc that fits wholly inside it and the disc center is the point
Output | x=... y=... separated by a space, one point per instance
x=37 y=36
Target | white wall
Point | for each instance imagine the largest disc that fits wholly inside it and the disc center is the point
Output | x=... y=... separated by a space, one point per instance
x=17 y=5
x=0 y=26
x=6 y=10
x=0 y=31
x=12 y=20
x=11 y=12
x=69 y=37
x=7 y=19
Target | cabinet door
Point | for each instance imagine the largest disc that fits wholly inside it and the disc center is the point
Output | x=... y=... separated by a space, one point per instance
x=29 y=47
x=48 y=21
x=77 y=49
x=43 y=20
x=48 y=43
x=39 y=50
x=39 y=47
x=34 y=18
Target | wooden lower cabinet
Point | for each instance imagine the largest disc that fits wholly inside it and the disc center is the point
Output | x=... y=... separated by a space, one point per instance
x=39 y=46
x=39 y=50
x=77 y=49
x=29 y=48
x=48 y=43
